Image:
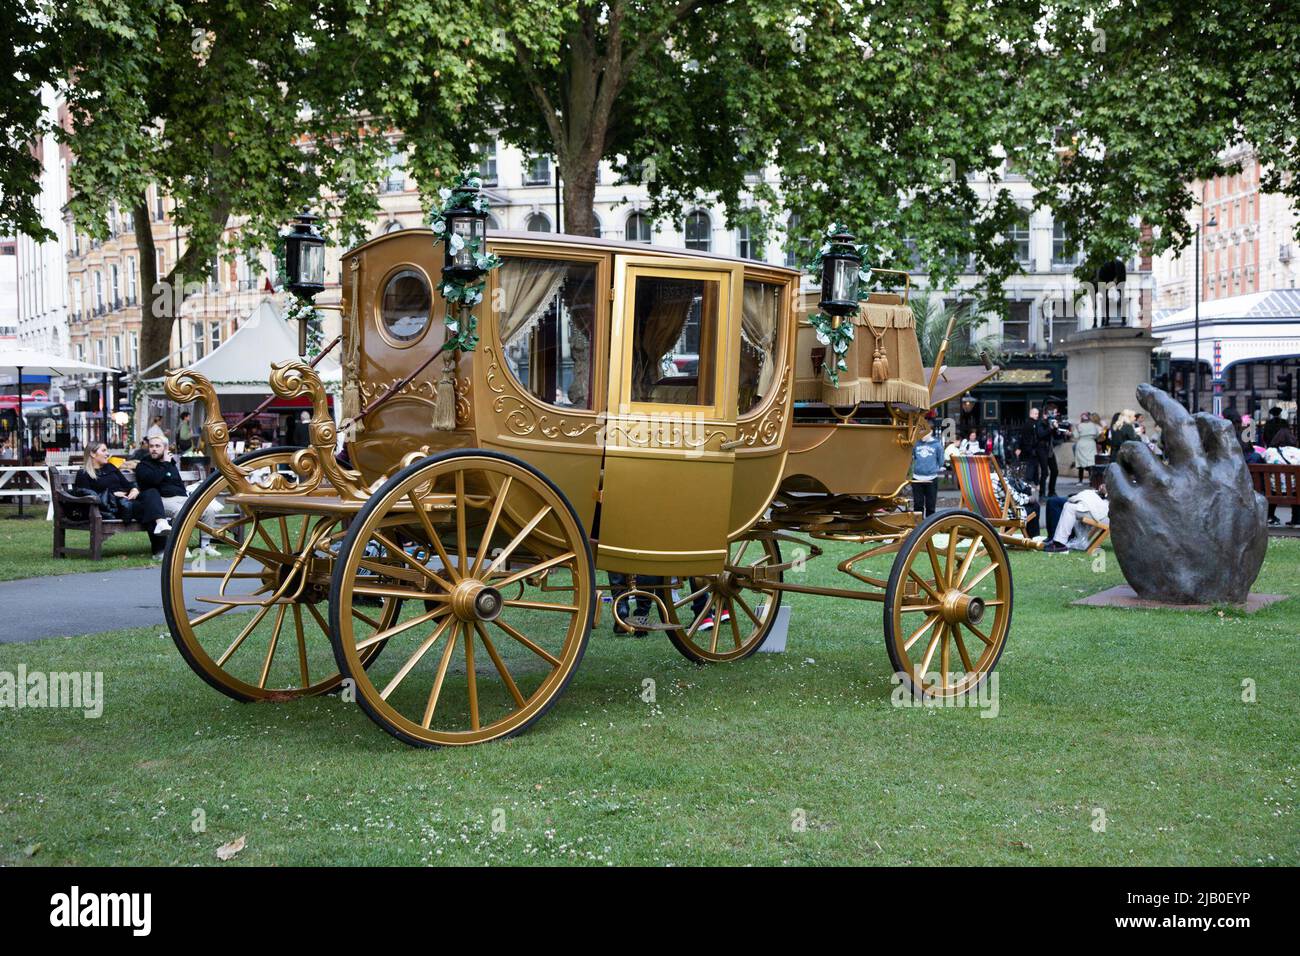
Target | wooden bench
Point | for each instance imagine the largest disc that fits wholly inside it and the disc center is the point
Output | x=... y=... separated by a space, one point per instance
x=1279 y=484
x=74 y=513
x=81 y=513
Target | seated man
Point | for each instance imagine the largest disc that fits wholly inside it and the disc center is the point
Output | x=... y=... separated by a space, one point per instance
x=1023 y=495
x=159 y=473
x=1071 y=532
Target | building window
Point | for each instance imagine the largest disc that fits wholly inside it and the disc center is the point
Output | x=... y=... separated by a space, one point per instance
x=99 y=291
x=747 y=247
x=1016 y=335
x=538 y=222
x=395 y=172
x=99 y=352
x=538 y=173
x=215 y=339
x=639 y=228
x=699 y=231
x=1020 y=239
x=487 y=163
x=81 y=351
x=117 y=351
x=796 y=245
x=162 y=264
x=393 y=226
x=492 y=222
x=134 y=342
x=197 y=337
x=1062 y=255
x=131 y=283
x=159 y=208
x=115 y=288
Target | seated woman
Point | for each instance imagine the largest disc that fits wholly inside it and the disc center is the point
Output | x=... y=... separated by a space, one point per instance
x=1023 y=495
x=115 y=490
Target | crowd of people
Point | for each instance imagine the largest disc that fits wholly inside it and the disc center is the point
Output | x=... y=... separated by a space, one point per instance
x=1028 y=456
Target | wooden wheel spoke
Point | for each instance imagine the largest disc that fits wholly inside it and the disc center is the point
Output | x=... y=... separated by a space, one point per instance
x=415 y=659
x=436 y=690
x=323 y=624
x=925 y=584
x=396 y=629
x=243 y=635
x=396 y=550
x=303 y=672
x=735 y=624
x=983 y=573
x=499 y=562
x=945 y=657
x=471 y=679
x=541 y=606
x=950 y=566
x=934 y=560
x=485 y=543
x=929 y=651
x=539 y=651
x=961 y=650
x=376 y=590
x=499 y=664
x=270 y=650
x=209 y=615
x=397 y=571
x=976 y=548
x=462 y=559
x=266 y=557
x=911 y=608
x=535 y=569
x=744 y=546
x=929 y=622
x=364 y=617
x=980 y=634
x=432 y=534
x=748 y=610
x=686 y=599
x=701 y=617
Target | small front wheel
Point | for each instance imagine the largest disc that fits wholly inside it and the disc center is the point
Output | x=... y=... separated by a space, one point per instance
x=948 y=605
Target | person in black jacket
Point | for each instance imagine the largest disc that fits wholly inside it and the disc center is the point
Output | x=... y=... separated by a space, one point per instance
x=128 y=502
x=159 y=472
x=1035 y=449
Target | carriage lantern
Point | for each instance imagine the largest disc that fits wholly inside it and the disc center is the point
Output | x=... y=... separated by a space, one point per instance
x=471 y=226
x=840 y=267
x=304 y=257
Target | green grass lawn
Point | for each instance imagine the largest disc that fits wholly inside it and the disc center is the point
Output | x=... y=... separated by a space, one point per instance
x=1136 y=714
x=25 y=547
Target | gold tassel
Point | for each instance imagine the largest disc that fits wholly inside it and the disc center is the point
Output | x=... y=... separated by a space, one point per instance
x=351 y=410
x=444 y=403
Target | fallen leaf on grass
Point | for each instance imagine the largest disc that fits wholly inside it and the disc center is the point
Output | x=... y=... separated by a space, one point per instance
x=32 y=850
x=228 y=850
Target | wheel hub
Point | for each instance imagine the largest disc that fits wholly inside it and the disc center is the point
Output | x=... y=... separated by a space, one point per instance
x=961 y=608
x=473 y=600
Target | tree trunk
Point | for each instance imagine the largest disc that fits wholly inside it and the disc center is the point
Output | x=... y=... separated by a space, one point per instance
x=580 y=198
x=155 y=330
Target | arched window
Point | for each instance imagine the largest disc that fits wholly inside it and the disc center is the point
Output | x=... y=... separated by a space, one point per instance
x=393 y=226
x=539 y=222
x=639 y=228
x=595 y=226
x=492 y=222
x=699 y=231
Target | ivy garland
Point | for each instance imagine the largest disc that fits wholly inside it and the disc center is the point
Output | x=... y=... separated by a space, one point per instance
x=468 y=193
x=836 y=336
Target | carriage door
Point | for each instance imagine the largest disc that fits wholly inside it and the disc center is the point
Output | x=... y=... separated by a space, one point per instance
x=674 y=356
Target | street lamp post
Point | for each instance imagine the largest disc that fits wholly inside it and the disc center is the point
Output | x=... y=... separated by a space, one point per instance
x=1196 y=320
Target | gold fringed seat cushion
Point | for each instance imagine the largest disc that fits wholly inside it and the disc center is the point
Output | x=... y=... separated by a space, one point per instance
x=906 y=380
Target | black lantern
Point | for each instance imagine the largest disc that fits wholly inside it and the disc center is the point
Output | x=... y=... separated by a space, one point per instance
x=470 y=226
x=840 y=267
x=304 y=257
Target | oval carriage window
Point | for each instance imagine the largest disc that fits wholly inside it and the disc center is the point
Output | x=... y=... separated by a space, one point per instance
x=405 y=307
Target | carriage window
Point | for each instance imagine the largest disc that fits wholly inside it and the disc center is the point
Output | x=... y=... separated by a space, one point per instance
x=760 y=326
x=406 y=305
x=673 y=330
x=546 y=314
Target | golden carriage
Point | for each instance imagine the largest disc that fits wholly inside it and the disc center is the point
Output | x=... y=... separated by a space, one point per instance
x=628 y=409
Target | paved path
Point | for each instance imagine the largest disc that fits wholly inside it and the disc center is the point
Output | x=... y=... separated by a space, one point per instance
x=91 y=602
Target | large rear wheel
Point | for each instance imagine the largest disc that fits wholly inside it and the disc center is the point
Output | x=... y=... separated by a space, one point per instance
x=251 y=618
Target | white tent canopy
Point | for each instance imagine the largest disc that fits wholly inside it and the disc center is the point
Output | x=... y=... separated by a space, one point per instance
x=31 y=362
x=242 y=364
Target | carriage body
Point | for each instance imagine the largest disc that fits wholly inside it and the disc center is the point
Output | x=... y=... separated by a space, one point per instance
x=658 y=415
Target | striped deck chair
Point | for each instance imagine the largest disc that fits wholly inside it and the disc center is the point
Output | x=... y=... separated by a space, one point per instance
x=975 y=481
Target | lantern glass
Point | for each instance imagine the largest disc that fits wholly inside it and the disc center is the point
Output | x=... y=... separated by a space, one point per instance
x=471 y=227
x=311 y=265
x=844 y=281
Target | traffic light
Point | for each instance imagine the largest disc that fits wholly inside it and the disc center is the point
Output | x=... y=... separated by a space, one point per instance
x=1284 y=387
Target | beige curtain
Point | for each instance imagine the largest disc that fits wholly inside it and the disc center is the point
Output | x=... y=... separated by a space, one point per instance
x=758 y=326
x=528 y=286
x=668 y=301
